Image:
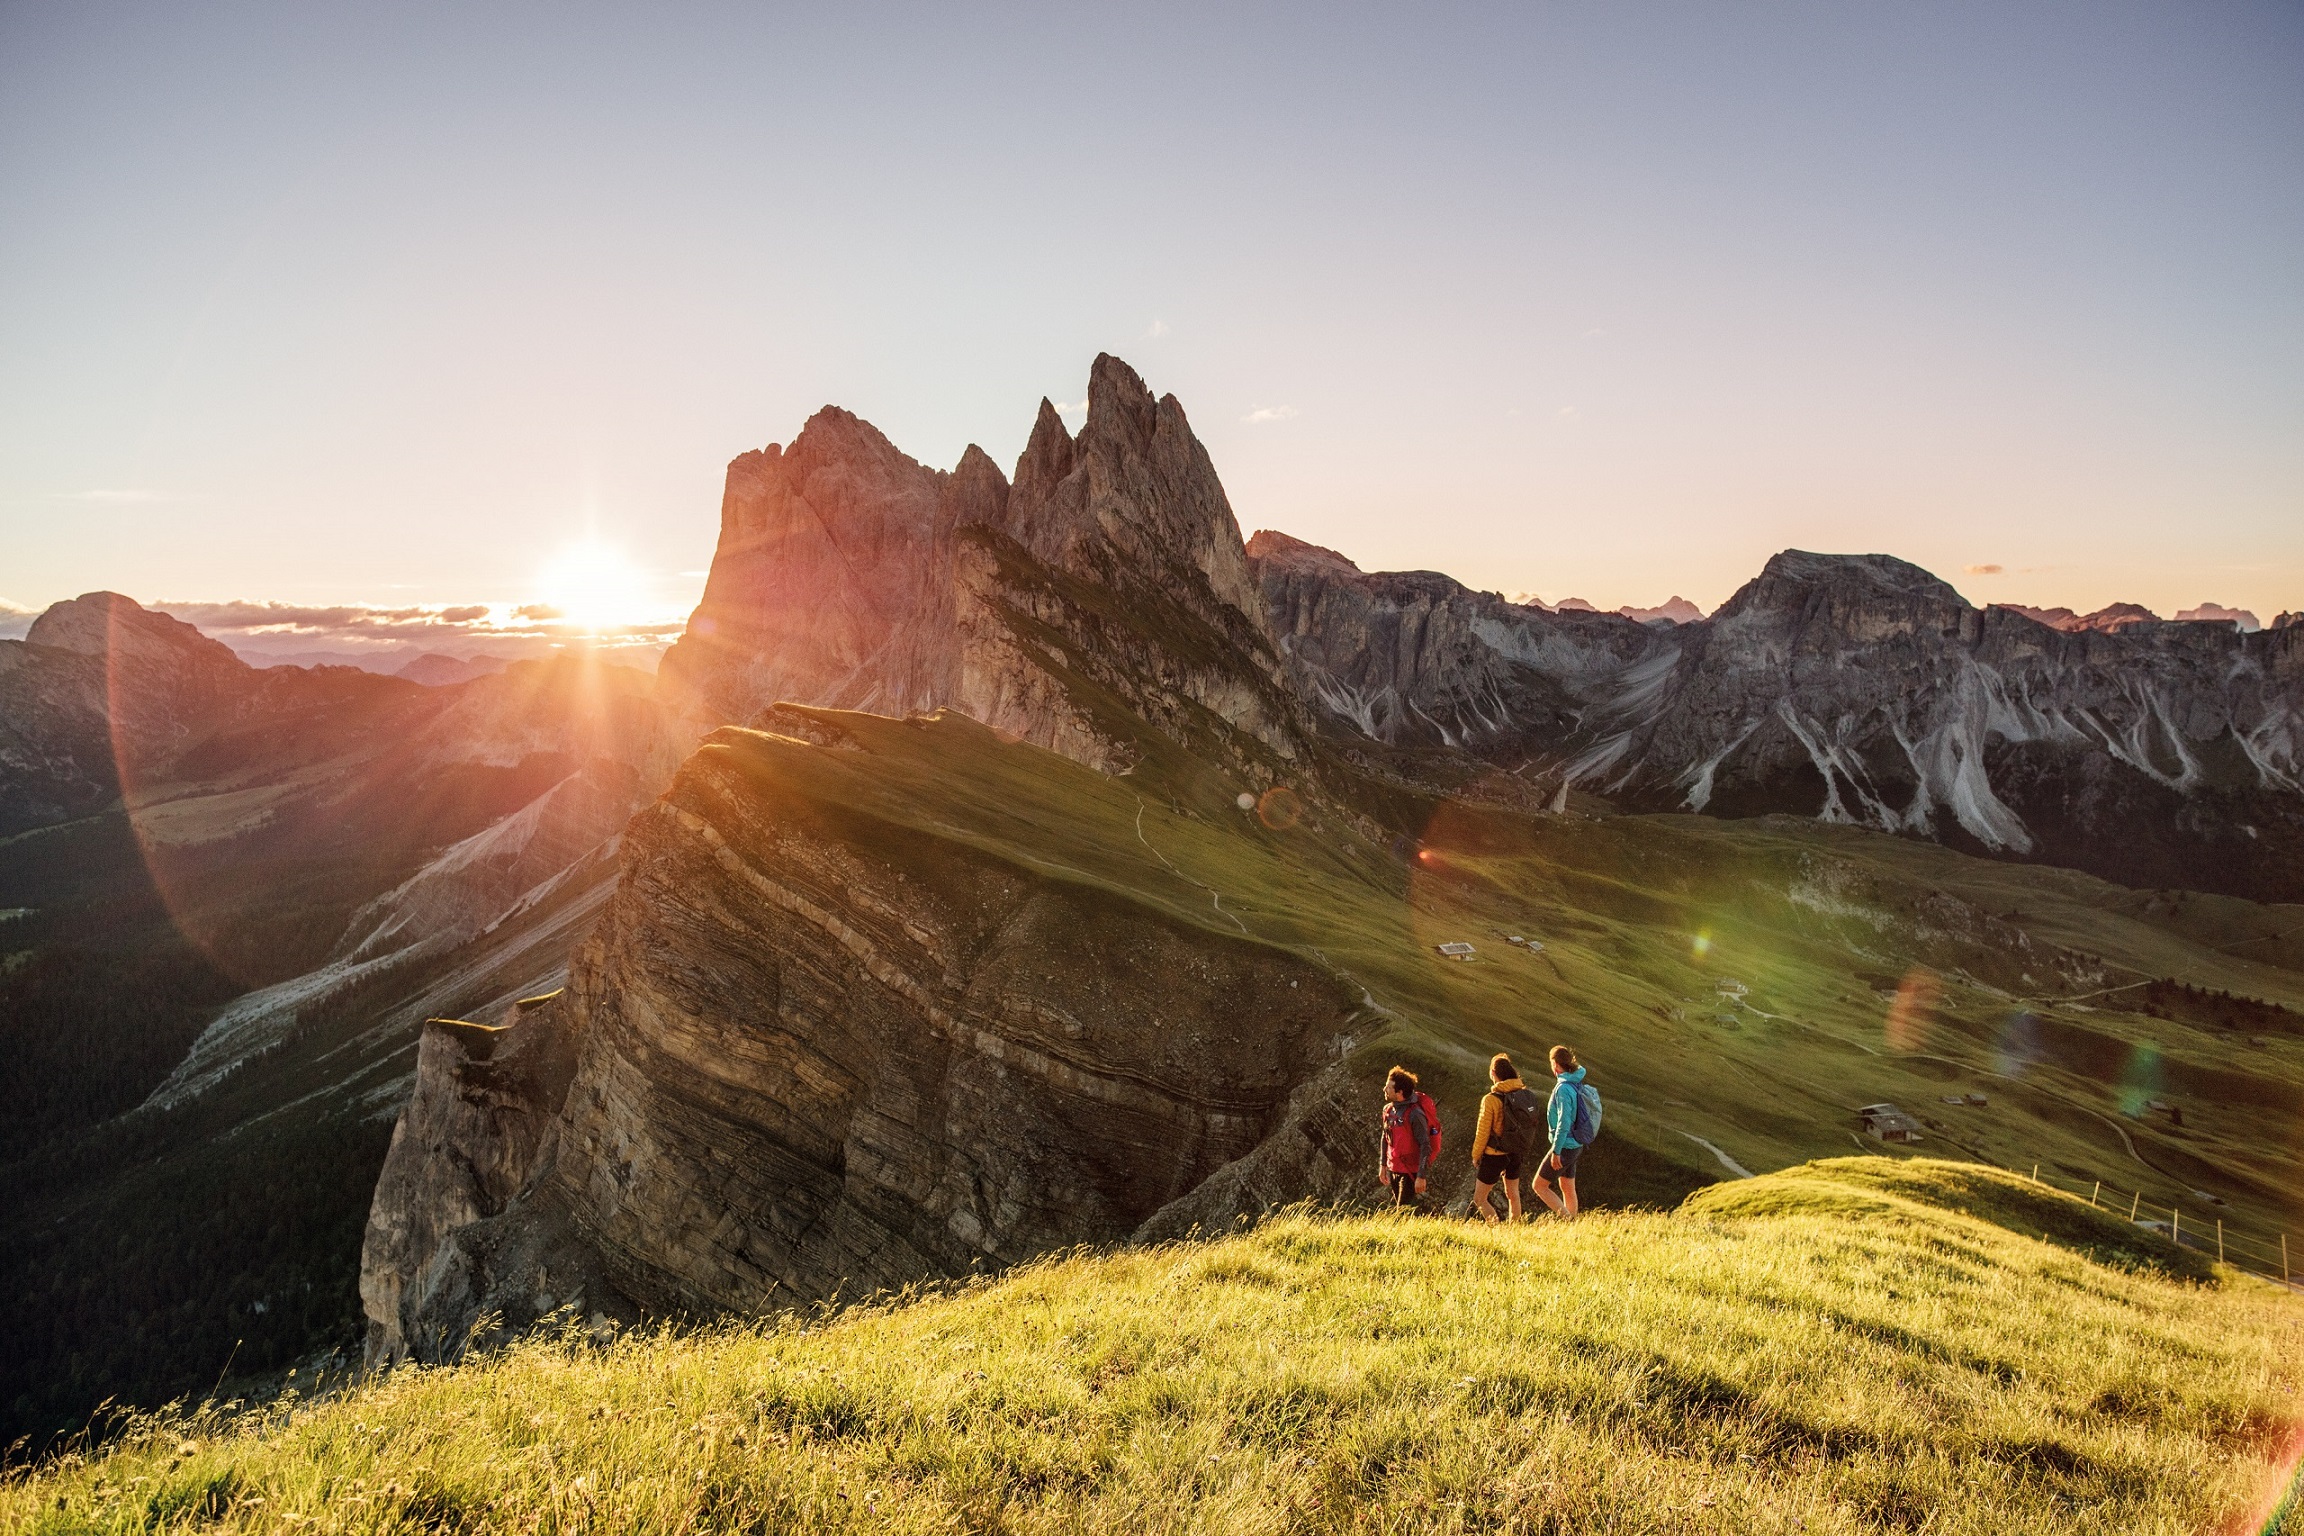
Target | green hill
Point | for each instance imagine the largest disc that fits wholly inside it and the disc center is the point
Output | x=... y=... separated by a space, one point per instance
x=1850 y=1346
x=1739 y=988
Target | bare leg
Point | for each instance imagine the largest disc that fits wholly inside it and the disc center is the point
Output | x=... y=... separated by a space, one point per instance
x=1512 y=1196
x=1480 y=1193
x=1543 y=1191
x=1568 y=1195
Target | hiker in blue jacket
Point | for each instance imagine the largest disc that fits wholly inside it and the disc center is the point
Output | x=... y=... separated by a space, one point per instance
x=1560 y=1118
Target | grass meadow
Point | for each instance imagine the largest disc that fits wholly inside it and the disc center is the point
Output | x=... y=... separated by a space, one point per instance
x=1863 y=1345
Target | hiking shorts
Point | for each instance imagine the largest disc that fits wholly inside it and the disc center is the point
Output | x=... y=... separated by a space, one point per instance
x=1499 y=1165
x=1567 y=1168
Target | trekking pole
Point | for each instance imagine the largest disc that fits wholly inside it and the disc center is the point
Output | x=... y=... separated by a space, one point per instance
x=2133 y=1204
x=2092 y=1194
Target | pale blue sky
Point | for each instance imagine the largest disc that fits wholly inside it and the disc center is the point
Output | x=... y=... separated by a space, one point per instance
x=391 y=303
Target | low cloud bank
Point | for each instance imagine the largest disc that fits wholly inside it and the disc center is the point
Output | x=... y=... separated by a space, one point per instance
x=387 y=639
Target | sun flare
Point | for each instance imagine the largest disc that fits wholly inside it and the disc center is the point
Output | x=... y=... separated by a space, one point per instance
x=594 y=587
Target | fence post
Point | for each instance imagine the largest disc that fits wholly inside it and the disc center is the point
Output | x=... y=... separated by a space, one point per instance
x=2092 y=1194
x=2176 y=1226
x=2219 y=1239
x=2133 y=1204
x=2035 y=1173
x=2283 y=1258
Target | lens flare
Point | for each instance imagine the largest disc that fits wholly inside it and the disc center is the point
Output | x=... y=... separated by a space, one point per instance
x=2283 y=1493
x=2019 y=1045
x=1913 y=1013
x=2141 y=1078
x=1279 y=808
x=1701 y=945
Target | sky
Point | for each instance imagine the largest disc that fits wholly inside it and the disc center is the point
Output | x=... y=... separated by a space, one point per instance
x=401 y=307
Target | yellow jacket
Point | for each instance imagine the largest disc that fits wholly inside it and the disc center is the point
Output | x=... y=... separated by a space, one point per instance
x=1491 y=1115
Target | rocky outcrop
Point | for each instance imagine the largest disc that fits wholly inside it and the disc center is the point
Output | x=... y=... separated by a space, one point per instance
x=469 y=1142
x=1415 y=658
x=1107 y=586
x=831 y=583
x=817 y=1052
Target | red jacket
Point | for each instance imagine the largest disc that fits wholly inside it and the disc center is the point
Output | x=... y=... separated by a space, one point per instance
x=1407 y=1139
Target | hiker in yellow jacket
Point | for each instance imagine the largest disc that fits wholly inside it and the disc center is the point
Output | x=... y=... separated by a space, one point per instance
x=1509 y=1116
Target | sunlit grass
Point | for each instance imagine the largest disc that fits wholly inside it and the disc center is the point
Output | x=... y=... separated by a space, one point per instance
x=1858 y=1358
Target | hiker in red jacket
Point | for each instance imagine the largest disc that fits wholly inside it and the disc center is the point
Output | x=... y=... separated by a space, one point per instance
x=1411 y=1138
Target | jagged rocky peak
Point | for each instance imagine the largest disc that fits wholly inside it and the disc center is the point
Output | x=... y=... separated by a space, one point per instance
x=851 y=575
x=1135 y=492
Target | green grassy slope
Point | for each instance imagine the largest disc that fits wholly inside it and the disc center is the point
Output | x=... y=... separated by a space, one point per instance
x=1853 y=1346
x=2016 y=982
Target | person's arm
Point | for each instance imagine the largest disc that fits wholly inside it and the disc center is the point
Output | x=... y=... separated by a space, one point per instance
x=1559 y=1116
x=1490 y=1109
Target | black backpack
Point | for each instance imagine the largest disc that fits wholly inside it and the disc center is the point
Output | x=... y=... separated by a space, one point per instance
x=1522 y=1122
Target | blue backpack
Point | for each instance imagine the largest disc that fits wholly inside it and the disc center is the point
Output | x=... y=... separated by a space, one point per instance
x=1586 y=1125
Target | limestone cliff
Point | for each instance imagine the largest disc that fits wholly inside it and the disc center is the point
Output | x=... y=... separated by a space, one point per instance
x=1108 y=585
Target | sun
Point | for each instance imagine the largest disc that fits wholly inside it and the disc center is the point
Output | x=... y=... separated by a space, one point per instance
x=595 y=587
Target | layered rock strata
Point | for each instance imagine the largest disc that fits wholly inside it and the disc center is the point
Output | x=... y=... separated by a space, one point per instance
x=815 y=1052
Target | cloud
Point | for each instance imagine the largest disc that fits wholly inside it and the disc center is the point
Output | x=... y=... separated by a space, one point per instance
x=1570 y=415
x=1072 y=409
x=242 y=616
x=1156 y=330
x=15 y=618
x=537 y=611
x=1983 y=570
x=1264 y=413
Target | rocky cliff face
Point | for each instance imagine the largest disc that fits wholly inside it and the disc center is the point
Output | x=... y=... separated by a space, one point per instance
x=812 y=1051
x=1855 y=688
x=1107 y=585
x=1862 y=689
x=1415 y=658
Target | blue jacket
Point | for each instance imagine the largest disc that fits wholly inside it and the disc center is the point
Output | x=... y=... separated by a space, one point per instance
x=1560 y=1113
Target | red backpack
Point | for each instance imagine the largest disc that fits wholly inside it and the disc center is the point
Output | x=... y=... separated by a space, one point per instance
x=1431 y=1120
